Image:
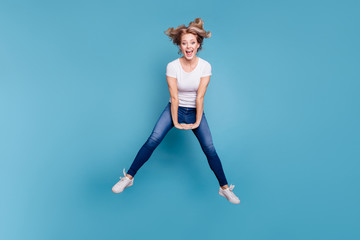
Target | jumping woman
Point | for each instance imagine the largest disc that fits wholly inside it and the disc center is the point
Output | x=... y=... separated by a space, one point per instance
x=187 y=78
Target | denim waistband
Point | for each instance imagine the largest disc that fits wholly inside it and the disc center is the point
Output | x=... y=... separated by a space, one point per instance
x=186 y=108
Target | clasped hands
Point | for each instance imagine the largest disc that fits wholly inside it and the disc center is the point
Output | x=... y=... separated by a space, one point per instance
x=187 y=126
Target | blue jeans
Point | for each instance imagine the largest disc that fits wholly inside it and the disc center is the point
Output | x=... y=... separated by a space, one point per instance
x=162 y=127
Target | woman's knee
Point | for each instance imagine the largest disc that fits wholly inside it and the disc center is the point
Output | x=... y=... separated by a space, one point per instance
x=153 y=141
x=209 y=149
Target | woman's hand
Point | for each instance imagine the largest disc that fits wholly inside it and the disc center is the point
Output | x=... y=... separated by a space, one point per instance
x=195 y=125
x=187 y=126
x=183 y=126
x=179 y=126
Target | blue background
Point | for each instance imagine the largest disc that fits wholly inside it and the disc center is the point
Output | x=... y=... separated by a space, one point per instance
x=82 y=84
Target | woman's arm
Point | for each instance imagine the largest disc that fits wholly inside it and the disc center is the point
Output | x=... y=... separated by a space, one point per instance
x=204 y=82
x=172 y=83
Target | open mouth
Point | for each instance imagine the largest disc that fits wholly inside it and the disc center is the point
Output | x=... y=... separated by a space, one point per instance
x=189 y=53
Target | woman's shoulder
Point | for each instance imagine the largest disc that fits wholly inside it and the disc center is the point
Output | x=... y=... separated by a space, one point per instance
x=172 y=69
x=205 y=63
x=173 y=62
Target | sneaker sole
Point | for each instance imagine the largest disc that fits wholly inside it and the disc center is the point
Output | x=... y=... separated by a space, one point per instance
x=131 y=183
x=221 y=194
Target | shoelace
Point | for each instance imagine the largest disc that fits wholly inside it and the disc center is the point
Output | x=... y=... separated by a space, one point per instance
x=124 y=177
x=232 y=195
x=231 y=187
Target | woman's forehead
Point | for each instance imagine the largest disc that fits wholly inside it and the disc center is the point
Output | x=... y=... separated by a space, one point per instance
x=188 y=36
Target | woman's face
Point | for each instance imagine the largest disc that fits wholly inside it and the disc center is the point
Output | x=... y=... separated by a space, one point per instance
x=189 y=45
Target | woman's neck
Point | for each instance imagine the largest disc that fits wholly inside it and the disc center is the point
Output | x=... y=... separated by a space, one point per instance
x=189 y=63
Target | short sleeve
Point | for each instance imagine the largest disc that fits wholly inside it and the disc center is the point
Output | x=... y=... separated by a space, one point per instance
x=206 y=70
x=170 y=70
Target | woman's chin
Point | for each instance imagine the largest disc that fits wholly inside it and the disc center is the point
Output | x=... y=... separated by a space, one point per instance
x=189 y=57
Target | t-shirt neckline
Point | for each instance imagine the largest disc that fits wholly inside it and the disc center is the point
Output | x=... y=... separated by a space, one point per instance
x=192 y=70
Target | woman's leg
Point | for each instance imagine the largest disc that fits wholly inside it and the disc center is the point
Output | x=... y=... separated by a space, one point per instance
x=162 y=127
x=203 y=134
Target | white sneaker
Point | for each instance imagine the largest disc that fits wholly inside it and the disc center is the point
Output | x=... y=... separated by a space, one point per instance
x=123 y=183
x=229 y=195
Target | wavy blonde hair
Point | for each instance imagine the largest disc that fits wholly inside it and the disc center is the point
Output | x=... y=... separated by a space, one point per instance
x=195 y=27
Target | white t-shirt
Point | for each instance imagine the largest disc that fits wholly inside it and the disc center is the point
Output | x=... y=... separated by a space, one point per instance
x=188 y=83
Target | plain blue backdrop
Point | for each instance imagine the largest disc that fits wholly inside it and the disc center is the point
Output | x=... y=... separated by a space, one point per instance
x=82 y=84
